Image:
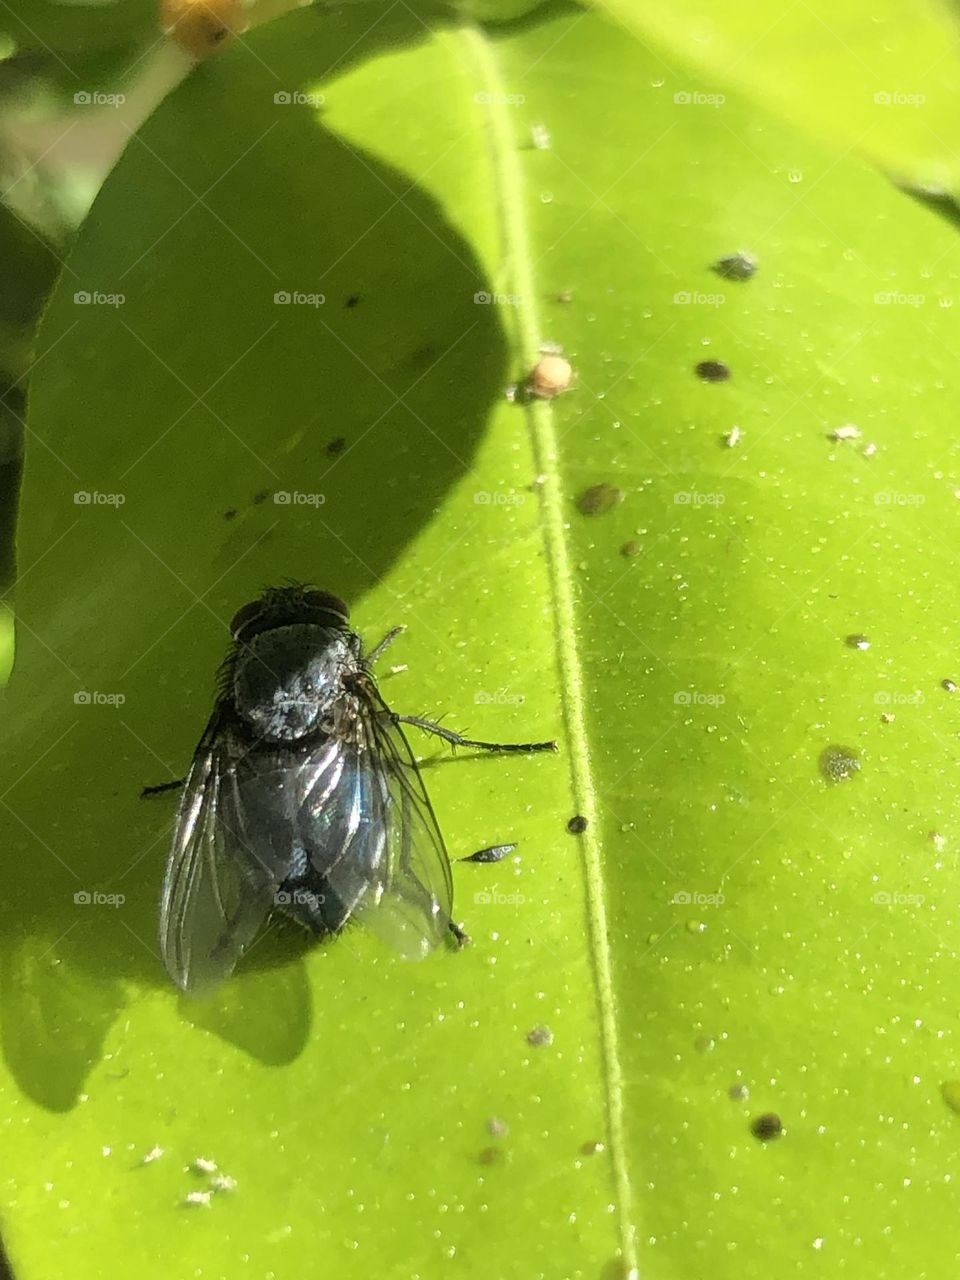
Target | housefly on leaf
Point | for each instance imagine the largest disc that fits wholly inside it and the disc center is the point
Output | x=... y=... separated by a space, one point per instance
x=303 y=795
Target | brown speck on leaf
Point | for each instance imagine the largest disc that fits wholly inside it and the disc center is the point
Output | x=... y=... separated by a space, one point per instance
x=336 y=446
x=949 y=685
x=857 y=641
x=738 y=266
x=599 y=499
x=577 y=824
x=549 y=376
x=539 y=1037
x=260 y=496
x=491 y=1155
x=713 y=371
x=565 y=295
x=630 y=549
x=839 y=763
x=591 y=1148
x=230 y=513
x=767 y=1126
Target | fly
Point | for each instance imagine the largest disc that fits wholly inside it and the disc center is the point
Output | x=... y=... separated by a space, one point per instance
x=303 y=795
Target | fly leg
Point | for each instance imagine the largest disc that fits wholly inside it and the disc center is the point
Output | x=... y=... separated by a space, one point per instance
x=375 y=654
x=458 y=740
x=162 y=786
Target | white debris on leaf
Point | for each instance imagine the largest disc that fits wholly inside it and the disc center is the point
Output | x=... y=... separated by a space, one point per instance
x=733 y=437
x=201 y=1198
x=203 y=1165
x=847 y=432
x=153 y=1154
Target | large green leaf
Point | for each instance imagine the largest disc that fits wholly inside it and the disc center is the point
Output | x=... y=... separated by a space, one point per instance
x=721 y=920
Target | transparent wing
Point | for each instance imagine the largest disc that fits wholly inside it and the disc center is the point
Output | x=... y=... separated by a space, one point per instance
x=408 y=895
x=223 y=869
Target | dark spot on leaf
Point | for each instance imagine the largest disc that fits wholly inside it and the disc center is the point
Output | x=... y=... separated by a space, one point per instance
x=599 y=499
x=495 y=853
x=713 y=371
x=839 y=763
x=858 y=641
x=949 y=685
x=591 y=1148
x=352 y=300
x=540 y=1036
x=630 y=549
x=767 y=1126
x=336 y=446
x=491 y=1155
x=577 y=824
x=738 y=266
x=738 y=1092
x=260 y=496
x=230 y=514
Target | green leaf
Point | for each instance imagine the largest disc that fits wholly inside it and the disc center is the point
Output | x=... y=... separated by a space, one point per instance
x=718 y=924
x=881 y=79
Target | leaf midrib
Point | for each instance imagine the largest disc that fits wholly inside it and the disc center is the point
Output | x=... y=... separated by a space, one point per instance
x=510 y=196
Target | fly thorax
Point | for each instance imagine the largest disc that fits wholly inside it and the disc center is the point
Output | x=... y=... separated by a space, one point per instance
x=288 y=681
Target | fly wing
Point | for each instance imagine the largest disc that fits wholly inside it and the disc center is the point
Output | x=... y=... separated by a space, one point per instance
x=226 y=861
x=394 y=865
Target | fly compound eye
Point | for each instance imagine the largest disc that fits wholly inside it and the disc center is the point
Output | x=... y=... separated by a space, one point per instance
x=323 y=600
x=243 y=617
